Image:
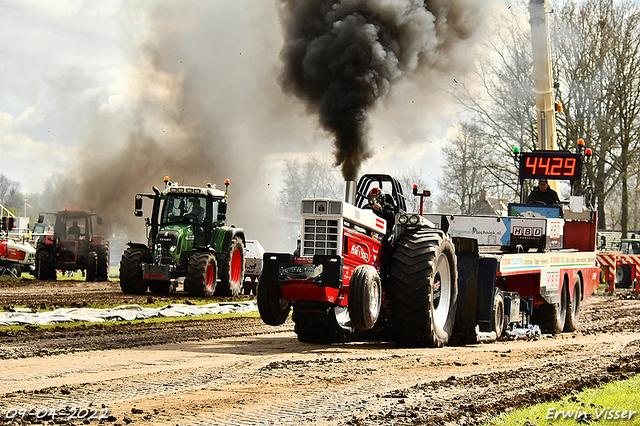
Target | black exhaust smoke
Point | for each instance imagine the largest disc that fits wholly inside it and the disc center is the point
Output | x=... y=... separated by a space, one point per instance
x=340 y=57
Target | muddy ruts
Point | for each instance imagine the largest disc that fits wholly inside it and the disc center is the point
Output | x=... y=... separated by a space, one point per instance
x=342 y=56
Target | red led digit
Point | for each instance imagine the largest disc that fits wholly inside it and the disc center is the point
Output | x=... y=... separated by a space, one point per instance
x=555 y=168
x=570 y=164
x=533 y=166
x=542 y=164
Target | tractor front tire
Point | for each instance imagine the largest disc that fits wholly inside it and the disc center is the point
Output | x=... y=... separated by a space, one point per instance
x=131 y=281
x=365 y=297
x=272 y=306
x=232 y=273
x=92 y=266
x=201 y=275
x=423 y=288
x=15 y=271
x=323 y=326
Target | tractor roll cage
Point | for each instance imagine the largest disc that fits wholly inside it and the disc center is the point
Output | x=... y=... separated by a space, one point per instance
x=396 y=190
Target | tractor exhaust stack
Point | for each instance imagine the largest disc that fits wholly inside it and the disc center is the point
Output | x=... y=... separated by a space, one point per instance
x=350 y=192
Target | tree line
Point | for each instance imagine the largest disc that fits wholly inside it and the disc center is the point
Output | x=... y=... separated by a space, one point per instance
x=595 y=54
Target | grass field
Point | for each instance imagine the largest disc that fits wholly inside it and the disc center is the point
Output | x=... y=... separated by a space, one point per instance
x=616 y=403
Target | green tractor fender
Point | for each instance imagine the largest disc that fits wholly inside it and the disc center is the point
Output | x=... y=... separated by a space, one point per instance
x=224 y=236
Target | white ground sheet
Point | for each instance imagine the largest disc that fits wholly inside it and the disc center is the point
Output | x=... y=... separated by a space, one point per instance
x=24 y=316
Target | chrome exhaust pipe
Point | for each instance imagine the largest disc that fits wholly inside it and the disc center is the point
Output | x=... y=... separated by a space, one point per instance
x=350 y=192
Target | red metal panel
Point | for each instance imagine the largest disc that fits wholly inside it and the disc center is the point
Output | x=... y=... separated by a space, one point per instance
x=360 y=249
x=580 y=235
x=311 y=292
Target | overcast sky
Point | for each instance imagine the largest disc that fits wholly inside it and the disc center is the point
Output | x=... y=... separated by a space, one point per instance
x=84 y=82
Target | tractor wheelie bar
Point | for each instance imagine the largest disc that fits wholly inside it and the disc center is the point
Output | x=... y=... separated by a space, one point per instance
x=431 y=277
x=188 y=239
x=73 y=245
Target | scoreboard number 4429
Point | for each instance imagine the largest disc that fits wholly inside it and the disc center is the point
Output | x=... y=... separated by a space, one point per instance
x=551 y=165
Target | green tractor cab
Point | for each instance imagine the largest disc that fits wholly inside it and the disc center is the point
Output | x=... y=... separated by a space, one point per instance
x=189 y=241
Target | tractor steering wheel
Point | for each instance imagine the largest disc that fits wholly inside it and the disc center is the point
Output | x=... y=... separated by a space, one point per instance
x=191 y=218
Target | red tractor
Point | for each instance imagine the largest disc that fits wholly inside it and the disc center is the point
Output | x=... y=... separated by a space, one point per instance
x=354 y=274
x=72 y=245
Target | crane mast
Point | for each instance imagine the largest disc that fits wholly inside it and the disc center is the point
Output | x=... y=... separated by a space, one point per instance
x=541 y=73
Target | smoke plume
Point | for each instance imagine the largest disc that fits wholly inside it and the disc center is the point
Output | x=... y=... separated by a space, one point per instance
x=194 y=108
x=342 y=56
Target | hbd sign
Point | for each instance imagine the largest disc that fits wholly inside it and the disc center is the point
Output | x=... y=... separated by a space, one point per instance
x=527 y=231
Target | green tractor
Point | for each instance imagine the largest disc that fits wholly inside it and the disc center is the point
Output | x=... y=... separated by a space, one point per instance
x=188 y=240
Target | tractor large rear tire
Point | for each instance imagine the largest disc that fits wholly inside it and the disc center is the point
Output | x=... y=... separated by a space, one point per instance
x=232 y=273
x=323 y=326
x=92 y=266
x=103 y=263
x=43 y=265
x=551 y=316
x=272 y=306
x=201 y=275
x=131 y=281
x=365 y=297
x=573 y=309
x=423 y=288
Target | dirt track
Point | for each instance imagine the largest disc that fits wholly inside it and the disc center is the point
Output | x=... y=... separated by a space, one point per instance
x=239 y=371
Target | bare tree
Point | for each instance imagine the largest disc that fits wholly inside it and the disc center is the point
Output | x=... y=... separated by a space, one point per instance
x=597 y=57
x=315 y=178
x=10 y=195
x=407 y=179
x=499 y=98
x=465 y=178
x=596 y=64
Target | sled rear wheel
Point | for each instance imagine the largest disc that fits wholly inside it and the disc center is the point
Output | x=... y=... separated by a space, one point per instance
x=551 y=316
x=573 y=310
x=499 y=324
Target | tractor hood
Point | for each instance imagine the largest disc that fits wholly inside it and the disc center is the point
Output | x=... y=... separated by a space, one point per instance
x=176 y=238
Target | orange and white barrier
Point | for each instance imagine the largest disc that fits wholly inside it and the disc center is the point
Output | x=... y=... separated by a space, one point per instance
x=612 y=260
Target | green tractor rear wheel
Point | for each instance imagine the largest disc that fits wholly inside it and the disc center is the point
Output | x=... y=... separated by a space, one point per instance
x=232 y=274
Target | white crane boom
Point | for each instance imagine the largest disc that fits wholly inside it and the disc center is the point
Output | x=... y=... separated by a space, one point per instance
x=541 y=73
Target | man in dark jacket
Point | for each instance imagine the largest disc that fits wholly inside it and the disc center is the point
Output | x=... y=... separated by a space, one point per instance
x=542 y=193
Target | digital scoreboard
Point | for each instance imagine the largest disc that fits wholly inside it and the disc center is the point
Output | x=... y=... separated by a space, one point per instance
x=558 y=165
